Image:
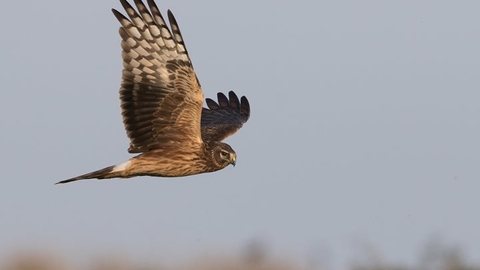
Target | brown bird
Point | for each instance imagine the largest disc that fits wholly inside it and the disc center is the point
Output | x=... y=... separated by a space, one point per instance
x=161 y=103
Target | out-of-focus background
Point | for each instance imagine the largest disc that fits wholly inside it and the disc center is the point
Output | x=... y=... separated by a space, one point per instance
x=362 y=149
x=435 y=256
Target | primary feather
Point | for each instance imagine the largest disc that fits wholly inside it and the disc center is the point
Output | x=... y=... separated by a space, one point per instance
x=161 y=103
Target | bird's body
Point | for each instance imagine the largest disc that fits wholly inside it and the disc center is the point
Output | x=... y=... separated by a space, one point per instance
x=161 y=102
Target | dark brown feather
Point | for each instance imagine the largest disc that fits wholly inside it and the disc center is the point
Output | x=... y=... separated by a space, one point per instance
x=99 y=174
x=224 y=118
x=161 y=103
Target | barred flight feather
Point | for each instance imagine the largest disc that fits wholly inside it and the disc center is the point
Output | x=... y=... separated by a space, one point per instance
x=161 y=103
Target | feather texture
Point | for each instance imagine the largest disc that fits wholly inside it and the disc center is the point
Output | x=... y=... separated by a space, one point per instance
x=161 y=103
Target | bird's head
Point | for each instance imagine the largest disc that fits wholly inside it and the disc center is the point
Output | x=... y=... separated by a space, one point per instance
x=223 y=155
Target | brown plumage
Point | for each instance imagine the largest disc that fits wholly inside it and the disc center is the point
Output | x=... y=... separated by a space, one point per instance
x=161 y=102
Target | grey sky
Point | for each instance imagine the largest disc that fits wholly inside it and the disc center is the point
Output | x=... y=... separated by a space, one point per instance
x=364 y=128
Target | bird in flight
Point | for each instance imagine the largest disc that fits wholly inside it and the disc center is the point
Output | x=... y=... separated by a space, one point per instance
x=161 y=104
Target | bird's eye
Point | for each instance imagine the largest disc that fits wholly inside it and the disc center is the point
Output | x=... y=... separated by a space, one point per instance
x=224 y=154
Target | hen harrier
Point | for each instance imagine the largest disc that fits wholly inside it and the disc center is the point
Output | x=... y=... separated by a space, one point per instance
x=161 y=102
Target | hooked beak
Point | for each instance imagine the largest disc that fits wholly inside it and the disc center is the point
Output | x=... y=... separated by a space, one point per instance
x=233 y=159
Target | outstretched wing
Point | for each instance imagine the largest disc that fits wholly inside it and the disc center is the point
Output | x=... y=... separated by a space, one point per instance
x=224 y=118
x=161 y=97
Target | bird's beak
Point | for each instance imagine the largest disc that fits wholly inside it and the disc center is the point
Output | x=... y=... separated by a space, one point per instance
x=233 y=159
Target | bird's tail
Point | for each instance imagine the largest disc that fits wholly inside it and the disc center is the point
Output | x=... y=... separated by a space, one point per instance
x=108 y=172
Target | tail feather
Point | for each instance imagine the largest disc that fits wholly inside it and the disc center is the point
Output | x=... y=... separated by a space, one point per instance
x=99 y=174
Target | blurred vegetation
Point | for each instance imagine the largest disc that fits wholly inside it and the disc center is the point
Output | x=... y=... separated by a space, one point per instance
x=435 y=256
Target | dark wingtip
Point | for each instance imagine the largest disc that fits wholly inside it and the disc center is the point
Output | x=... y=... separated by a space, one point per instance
x=171 y=17
x=126 y=5
x=154 y=8
x=118 y=15
x=234 y=102
x=241 y=106
x=222 y=100
x=245 y=107
x=212 y=105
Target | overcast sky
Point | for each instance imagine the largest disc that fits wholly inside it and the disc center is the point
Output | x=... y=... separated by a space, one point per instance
x=364 y=129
